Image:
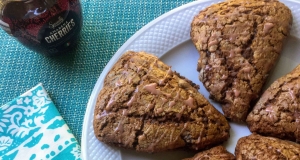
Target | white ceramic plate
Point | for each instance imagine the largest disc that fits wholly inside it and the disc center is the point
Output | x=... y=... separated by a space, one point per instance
x=168 y=37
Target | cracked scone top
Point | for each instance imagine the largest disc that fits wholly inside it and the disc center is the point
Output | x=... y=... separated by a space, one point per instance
x=239 y=41
x=146 y=106
x=266 y=148
x=277 y=113
x=215 y=153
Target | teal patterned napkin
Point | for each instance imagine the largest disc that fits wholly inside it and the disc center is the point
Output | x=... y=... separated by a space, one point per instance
x=32 y=128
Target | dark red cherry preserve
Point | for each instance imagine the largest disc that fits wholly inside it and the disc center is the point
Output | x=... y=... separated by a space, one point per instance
x=50 y=27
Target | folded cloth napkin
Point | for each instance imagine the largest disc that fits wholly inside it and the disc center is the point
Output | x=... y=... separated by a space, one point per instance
x=32 y=128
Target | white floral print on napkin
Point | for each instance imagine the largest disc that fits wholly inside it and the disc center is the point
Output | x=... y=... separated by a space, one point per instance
x=32 y=128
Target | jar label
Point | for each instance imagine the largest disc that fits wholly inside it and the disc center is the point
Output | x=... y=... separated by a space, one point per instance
x=58 y=32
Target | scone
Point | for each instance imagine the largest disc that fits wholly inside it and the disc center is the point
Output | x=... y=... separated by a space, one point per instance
x=216 y=153
x=277 y=113
x=262 y=148
x=239 y=41
x=146 y=106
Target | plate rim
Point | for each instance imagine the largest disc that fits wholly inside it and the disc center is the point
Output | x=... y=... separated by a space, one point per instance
x=99 y=83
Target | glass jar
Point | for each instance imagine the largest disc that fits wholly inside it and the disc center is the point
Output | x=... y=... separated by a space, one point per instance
x=50 y=27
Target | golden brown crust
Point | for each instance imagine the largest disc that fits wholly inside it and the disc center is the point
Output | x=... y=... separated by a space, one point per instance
x=239 y=42
x=146 y=106
x=261 y=148
x=277 y=113
x=216 y=153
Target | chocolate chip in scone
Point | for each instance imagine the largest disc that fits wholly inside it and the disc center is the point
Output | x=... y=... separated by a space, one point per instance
x=239 y=42
x=261 y=148
x=277 y=113
x=146 y=106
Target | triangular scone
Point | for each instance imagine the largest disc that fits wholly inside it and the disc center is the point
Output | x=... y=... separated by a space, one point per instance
x=239 y=42
x=146 y=106
x=277 y=113
x=216 y=153
x=264 y=148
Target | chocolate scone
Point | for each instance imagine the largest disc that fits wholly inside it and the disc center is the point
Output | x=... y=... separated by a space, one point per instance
x=261 y=148
x=277 y=113
x=216 y=153
x=146 y=106
x=239 y=42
